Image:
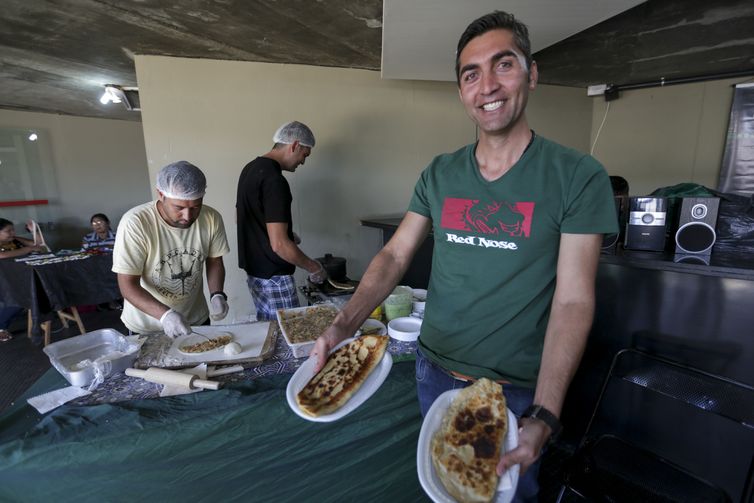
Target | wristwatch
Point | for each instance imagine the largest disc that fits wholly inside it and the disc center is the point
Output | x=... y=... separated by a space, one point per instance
x=547 y=417
x=219 y=293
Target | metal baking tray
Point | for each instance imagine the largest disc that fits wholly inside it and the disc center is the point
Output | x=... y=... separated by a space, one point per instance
x=75 y=357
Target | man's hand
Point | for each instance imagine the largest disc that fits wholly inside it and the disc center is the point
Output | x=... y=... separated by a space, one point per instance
x=324 y=344
x=174 y=324
x=318 y=277
x=218 y=307
x=532 y=437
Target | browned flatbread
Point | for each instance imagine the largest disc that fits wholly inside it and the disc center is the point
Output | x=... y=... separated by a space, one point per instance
x=343 y=374
x=207 y=345
x=467 y=447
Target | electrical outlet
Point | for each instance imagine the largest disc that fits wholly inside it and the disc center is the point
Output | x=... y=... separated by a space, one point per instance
x=596 y=90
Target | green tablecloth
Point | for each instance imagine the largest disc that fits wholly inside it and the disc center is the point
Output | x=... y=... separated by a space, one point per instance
x=241 y=443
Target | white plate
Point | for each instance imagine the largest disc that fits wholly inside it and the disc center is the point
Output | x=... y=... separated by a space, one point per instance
x=306 y=371
x=371 y=323
x=427 y=476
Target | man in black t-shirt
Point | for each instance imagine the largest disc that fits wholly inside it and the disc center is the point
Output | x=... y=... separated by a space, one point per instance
x=267 y=247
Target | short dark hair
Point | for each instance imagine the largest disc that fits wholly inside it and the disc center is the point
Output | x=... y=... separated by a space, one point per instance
x=101 y=216
x=495 y=21
x=4 y=223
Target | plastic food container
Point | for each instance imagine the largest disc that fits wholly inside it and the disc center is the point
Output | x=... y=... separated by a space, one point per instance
x=298 y=314
x=78 y=358
x=405 y=328
x=398 y=303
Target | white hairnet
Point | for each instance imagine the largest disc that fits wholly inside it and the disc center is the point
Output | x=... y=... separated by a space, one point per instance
x=294 y=131
x=181 y=180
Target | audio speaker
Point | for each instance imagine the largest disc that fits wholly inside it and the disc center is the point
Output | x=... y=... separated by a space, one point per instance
x=609 y=241
x=645 y=229
x=696 y=225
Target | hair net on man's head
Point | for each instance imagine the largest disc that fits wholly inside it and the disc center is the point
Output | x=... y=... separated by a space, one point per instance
x=181 y=180
x=294 y=131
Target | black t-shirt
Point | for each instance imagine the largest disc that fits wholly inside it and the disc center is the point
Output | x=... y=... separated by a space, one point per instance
x=263 y=196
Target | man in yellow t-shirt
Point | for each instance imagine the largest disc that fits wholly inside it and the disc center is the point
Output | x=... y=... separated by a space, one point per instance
x=160 y=249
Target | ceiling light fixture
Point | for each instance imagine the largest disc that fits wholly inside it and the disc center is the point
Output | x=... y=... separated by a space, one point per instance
x=129 y=96
x=111 y=94
x=33 y=137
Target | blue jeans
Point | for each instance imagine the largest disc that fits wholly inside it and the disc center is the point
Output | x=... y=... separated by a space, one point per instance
x=7 y=314
x=432 y=381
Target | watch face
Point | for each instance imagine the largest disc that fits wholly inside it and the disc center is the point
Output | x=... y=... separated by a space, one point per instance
x=178 y=273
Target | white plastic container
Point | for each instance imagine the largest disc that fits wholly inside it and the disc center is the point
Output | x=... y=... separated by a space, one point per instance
x=300 y=349
x=77 y=358
x=405 y=328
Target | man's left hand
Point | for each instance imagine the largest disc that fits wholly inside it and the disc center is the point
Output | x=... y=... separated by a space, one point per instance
x=218 y=307
x=320 y=276
x=532 y=438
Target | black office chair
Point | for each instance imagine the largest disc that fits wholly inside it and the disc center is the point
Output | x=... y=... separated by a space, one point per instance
x=665 y=432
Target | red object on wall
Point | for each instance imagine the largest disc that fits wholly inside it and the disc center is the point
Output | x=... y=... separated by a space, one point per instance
x=29 y=202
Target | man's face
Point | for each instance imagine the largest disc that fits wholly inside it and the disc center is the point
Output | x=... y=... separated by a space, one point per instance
x=297 y=155
x=7 y=233
x=179 y=212
x=494 y=84
x=99 y=225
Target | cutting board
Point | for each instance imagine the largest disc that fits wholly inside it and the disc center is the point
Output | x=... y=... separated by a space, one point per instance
x=251 y=336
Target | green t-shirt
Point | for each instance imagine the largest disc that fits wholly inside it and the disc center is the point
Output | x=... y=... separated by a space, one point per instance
x=496 y=250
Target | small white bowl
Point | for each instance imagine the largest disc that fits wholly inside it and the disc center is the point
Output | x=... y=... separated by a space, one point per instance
x=405 y=328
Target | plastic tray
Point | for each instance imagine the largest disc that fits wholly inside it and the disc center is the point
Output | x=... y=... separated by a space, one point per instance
x=299 y=349
x=74 y=357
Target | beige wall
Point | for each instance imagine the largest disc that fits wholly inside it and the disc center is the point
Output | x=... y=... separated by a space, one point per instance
x=663 y=136
x=373 y=139
x=99 y=166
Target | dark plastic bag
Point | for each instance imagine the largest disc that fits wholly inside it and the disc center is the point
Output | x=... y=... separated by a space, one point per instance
x=735 y=225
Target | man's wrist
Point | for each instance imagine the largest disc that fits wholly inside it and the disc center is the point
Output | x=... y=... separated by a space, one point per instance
x=540 y=413
x=219 y=292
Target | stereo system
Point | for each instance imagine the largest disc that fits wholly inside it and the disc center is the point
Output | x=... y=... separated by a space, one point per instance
x=646 y=226
x=697 y=218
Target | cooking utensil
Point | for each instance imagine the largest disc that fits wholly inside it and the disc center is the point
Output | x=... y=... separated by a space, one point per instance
x=172 y=378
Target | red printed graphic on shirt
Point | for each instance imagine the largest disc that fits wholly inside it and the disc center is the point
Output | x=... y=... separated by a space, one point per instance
x=497 y=218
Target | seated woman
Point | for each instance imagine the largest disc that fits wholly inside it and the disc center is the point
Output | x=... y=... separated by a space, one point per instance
x=12 y=246
x=102 y=239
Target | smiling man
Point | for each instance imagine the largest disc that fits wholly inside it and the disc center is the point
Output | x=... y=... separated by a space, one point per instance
x=517 y=222
x=160 y=252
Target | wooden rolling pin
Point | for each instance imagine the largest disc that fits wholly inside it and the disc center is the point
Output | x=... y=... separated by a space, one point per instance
x=172 y=378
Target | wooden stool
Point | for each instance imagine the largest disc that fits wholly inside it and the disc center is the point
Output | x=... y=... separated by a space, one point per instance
x=64 y=318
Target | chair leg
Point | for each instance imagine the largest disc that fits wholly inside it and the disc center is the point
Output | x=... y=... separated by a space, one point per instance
x=47 y=329
x=74 y=316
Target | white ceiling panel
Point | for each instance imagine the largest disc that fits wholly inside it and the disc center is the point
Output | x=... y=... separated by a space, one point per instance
x=419 y=37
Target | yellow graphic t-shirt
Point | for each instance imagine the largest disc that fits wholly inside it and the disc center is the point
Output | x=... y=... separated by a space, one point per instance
x=169 y=260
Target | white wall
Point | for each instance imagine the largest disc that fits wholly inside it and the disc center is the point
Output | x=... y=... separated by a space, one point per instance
x=663 y=136
x=374 y=137
x=99 y=166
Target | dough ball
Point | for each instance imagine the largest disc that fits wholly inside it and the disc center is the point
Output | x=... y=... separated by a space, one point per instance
x=232 y=348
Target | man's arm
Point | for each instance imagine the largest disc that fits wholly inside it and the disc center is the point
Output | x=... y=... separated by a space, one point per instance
x=571 y=317
x=215 y=274
x=141 y=299
x=383 y=273
x=287 y=249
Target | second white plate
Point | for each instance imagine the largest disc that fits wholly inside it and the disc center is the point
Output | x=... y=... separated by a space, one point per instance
x=305 y=373
x=429 y=480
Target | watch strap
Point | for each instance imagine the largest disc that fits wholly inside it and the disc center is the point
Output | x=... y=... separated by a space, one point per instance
x=547 y=417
